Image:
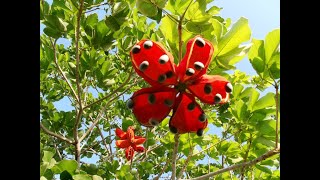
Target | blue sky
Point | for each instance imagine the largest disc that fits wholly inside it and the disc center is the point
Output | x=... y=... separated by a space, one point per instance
x=263 y=16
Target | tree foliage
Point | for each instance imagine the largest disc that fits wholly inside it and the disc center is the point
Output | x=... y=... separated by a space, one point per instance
x=95 y=75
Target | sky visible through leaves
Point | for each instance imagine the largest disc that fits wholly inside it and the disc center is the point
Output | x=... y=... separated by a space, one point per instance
x=263 y=16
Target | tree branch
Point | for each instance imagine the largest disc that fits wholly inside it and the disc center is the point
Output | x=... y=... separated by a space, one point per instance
x=53 y=44
x=94 y=123
x=79 y=114
x=237 y=166
x=174 y=156
x=180 y=31
x=102 y=138
x=115 y=91
x=186 y=162
x=55 y=135
x=245 y=157
x=277 y=112
x=162 y=171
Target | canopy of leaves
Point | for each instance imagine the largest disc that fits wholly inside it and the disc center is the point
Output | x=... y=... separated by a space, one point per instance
x=94 y=74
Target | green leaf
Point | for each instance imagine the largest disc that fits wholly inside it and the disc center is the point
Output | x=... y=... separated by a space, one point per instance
x=92 y=19
x=96 y=177
x=239 y=33
x=275 y=67
x=265 y=141
x=68 y=165
x=177 y=7
x=256 y=50
x=233 y=56
x=47 y=156
x=56 y=23
x=81 y=177
x=196 y=12
x=43 y=178
x=65 y=176
x=217 y=28
x=246 y=92
x=267 y=127
x=112 y=23
x=263 y=168
x=272 y=42
x=147 y=8
x=265 y=101
x=253 y=99
x=237 y=88
x=258 y=64
x=52 y=32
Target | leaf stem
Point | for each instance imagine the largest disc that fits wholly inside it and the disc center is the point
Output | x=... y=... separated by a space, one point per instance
x=174 y=156
x=55 y=134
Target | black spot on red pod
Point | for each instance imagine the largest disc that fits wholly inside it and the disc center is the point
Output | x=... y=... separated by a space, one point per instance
x=200 y=42
x=162 y=78
x=200 y=132
x=202 y=117
x=169 y=74
x=147 y=44
x=173 y=129
x=207 y=88
x=198 y=65
x=217 y=98
x=153 y=122
x=168 y=102
x=190 y=72
x=163 y=59
x=136 y=49
x=151 y=98
x=191 y=106
x=144 y=65
x=130 y=103
x=229 y=87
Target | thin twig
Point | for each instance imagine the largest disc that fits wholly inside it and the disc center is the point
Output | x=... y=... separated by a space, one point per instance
x=53 y=44
x=162 y=171
x=174 y=155
x=237 y=166
x=94 y=123
x=79 y=114
x=102 y=138
x=277 y=111
x=180 y=30
x=116 y=90
x=246 y=156
x=55 y=134
x=186 y=162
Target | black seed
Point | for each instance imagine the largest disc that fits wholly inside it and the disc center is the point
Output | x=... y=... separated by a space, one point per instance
x=202 y=117
x=130 y=103
x=144 y=65
x=200 y=42
x=162 y=78
x=198 y=65
x=151 y=98
x=191 y=106
x=147 y=44
x=189 y=72
x=136 y=49
x=229 y=87
x=153 y=122
x=217 y=98
x=169 y=74
x=168 y=102
x=200 y=132
x=163 y=59
x=173 y=129
x=207 y=88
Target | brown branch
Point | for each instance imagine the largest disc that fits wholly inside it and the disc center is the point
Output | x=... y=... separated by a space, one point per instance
x=79 y=114
x=174 y=156
x=186 y=162
x=115 y=91
x=237 y=166
x=180 y=31
x=246 y=156
x=102 y=138
x=53 y=44
x=162 y=171
x=277 y=111
x=55 y=134
x=90 y=128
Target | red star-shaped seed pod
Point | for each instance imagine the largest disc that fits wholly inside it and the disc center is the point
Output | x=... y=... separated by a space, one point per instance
x=176 y=86
x=130 y=142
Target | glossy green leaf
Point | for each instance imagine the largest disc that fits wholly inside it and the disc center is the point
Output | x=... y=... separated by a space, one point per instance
x=275 y=66
x=272 y=43
x=52 y=32
x=257 y=49
x=263 y=168
x=96 y=177
x=92 y=19
x=196 y=12
x=47 y=156
x=253 y=99
x=232 y=57
x=177 y=7
x=267 y=127
x=237 y=88
x=258 y=64
x=112 y=23
x=265 y=101
x=147 y=8
x=65 y=165
x=239 y=33
x=81 y=177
